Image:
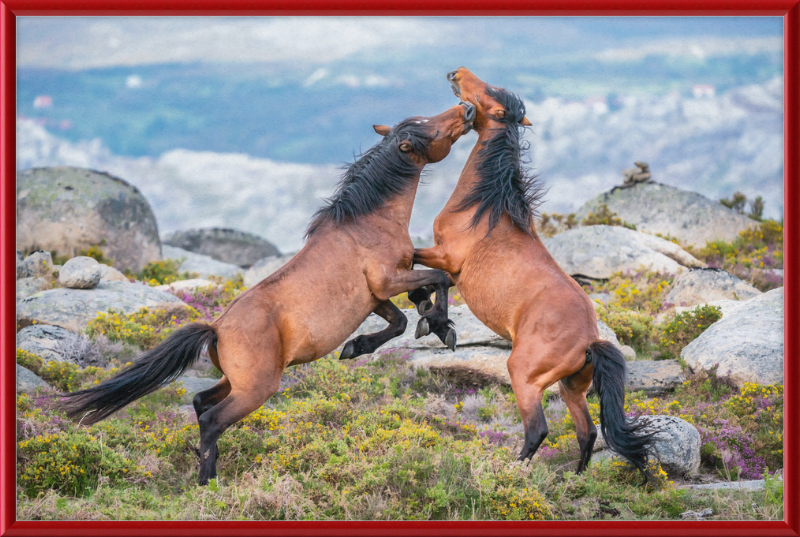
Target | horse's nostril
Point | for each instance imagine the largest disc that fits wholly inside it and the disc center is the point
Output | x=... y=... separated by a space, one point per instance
x=469 y=110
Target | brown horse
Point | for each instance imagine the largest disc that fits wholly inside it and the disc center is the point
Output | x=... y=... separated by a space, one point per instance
x=358 y=251
x=486 y=241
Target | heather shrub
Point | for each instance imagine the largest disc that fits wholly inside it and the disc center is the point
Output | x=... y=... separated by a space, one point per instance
x=210 y=301
x=685 y=328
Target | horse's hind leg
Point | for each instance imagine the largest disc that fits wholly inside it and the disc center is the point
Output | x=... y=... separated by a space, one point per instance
x=218 y=418
x=369 y=343
x=573 y=391
x=206 y=399
x=529 y=400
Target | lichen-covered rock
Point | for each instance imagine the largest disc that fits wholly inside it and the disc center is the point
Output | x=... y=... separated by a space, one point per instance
x=748 y=342
x=44 y=341
x=74 y=308
x=80 y=273
x=600 y=251
x=69 y=210
x=265 y=267
x=58 y=344
x=38 y=264
x=28 y=381
x=677 y=443
x=701 y=286
x=226 y=245
x=110 y=274
x=654 y=376
x=203 y=265
x=655 y=208
x=29 y=286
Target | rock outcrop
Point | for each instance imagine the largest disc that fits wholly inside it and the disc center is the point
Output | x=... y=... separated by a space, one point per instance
x=599 y=251
x=72 y=309
x=748 y=342
x=677 y=444
x=202 y=265
x=226 y=245
x=656 y=208
x=28 y=381
x=69 y=210
x=702 y=286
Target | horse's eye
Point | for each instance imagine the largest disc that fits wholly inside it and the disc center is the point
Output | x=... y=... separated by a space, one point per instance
x=500 y=114
x=435 y=136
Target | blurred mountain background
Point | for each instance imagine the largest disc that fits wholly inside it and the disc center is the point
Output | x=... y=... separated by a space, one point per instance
x=246 y=122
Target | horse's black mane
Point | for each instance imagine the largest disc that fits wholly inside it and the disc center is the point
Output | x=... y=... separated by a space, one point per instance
x=505 y=185
x=377 y=175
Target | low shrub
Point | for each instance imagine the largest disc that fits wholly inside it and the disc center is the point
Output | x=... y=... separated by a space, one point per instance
x=630 y=327
x=550 y=224
x=603 y=216
x=685 y=328
x=143 y=328
x=751 y=256
x=162 y=272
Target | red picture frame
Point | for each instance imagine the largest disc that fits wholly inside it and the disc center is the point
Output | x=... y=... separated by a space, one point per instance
x=10 y=9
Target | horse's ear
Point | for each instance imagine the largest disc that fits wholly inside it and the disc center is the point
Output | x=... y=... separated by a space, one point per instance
x=524 y=121
x=405 y=146
x=383 y=130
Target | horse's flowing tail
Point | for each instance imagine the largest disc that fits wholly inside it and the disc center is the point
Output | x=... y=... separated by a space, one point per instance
x=151 y=371
x=623 y=435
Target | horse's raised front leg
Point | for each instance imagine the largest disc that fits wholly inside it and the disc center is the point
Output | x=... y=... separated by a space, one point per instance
x=369 y=343
x=436 y=258
x=434 y=320
x=422 y=298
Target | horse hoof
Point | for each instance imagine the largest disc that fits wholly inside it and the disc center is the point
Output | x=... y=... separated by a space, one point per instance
x=423 y=328
x=450 y=340
x=349 y=351
x=424 y=306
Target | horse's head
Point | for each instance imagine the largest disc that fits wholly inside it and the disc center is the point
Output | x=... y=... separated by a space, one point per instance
x=495 y=107
x=429 y=139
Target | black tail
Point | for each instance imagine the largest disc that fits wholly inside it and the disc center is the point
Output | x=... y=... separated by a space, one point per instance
x=623 y=435
x=151 y=371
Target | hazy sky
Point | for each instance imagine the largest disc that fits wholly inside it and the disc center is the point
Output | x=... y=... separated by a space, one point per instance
x=86 y=42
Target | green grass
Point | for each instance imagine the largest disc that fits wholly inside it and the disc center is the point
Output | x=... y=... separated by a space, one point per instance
x=360 y=440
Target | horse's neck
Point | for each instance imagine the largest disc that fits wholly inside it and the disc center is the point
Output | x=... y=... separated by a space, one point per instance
x=469 y=174
x=398 y=209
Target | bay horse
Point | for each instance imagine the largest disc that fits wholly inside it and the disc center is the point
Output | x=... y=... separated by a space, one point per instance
x=486 y=241
x=358 y=255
